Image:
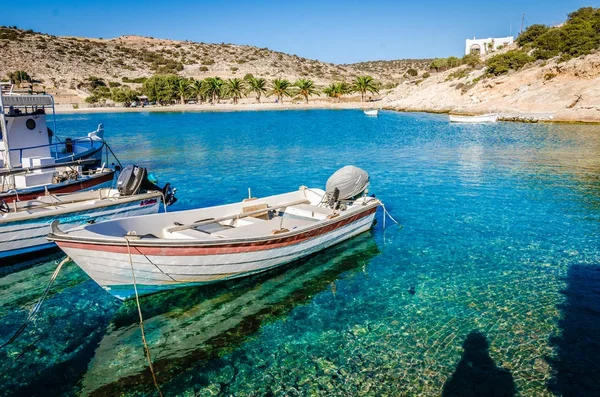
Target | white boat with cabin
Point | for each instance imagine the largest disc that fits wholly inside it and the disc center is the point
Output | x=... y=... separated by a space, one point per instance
x=483 y=118
x=200 y=246
x=34 y=160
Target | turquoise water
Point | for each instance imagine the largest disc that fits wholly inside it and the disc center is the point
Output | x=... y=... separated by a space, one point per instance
x=491 y=285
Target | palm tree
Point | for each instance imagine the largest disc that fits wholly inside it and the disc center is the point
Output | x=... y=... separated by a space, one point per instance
x=198 y=88
x=280 y=88
x=235 y=88
x=182 y=88
x=306 y=88
x=214 y=88
x=336 y=90
x=257 y=86
x=364 y=84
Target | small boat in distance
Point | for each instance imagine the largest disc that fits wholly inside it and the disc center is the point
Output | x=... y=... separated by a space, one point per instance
x=25 y=224
x=195 y=247
x=372 y=112
x=483 y=118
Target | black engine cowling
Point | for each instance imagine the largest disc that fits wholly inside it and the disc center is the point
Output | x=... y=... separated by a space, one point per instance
x=134 y=180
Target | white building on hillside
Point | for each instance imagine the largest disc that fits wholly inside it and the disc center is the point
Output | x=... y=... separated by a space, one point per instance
x=484 y=46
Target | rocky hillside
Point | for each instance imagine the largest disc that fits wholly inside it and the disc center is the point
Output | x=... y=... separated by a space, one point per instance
x=567 y=91
x=65 y=62
x=395 y=70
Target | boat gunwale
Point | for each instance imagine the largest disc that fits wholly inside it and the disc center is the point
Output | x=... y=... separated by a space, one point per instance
x=103 y=203
x=32 y=192
x=65 y=237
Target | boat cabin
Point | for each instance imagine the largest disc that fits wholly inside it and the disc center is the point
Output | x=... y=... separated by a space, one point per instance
x=24 y=132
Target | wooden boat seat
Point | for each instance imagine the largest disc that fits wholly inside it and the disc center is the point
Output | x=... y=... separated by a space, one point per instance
x=261 y=215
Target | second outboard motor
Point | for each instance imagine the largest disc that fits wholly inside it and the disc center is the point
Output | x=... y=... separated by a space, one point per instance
x=134 y=179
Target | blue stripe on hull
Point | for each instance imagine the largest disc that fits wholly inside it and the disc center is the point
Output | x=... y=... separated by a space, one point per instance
x=21 y=251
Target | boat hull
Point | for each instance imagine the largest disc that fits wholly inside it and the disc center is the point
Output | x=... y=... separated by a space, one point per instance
x=29 y=235
x=163 y=267
x=485 y=118
x=95 y=181
x=372 y=112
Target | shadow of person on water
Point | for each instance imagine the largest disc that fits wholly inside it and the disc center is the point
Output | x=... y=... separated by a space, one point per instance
x=576 y=369
x=476 y=373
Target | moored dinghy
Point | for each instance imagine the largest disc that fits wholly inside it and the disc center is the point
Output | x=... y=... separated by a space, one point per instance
x=216 y=243
x=25 y=224
x=483 y=118
x=372 y=112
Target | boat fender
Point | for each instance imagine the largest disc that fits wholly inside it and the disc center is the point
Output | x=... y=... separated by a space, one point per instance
x=4 y=208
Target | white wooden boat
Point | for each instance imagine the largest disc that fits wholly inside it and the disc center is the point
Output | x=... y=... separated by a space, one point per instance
x=210 y=244
x=25 y=224
x=34 y=160
x=483 y=118
x=24 y=228
x=372 y=112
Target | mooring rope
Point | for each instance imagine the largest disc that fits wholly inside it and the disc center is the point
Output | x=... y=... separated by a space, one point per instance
x=37 y=306
x=137 y=300
x=386 y=212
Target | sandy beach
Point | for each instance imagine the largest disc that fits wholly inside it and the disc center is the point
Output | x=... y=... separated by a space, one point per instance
x=550 y=115
x=225 y=106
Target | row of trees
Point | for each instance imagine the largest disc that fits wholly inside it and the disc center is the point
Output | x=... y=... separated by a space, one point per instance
x=166 y=89
x=579 y=35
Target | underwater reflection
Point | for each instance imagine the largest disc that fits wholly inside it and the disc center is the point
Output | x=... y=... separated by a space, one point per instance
x=186 y=328
x=51 y=355
x=476 y=373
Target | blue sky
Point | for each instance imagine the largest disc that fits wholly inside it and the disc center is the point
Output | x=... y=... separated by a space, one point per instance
x=334 y=31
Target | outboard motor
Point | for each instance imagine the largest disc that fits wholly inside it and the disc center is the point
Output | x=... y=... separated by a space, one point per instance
x=134 y=180
x=346 y=184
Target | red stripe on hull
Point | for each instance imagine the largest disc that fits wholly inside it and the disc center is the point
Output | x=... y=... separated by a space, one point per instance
x=234 y=248
x=74 y=186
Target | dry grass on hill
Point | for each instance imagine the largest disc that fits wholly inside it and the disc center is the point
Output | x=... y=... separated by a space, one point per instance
x=66 y=62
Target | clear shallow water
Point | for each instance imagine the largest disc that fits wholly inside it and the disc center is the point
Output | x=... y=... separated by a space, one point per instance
x=493 y=281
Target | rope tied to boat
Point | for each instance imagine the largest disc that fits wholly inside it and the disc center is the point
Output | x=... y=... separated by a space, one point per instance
x=137 y=300
x=386 y=213
x=34 y=311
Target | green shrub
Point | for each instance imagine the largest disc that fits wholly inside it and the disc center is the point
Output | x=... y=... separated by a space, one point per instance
x=502 y=63
x=459 y=74
x=549 y=76
x=203 y=69
x=426 y=75
x=471 y=60
x=531 y=34
x=208 y=62
x=549 y=44
x=412 y=72
x=579 y=35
